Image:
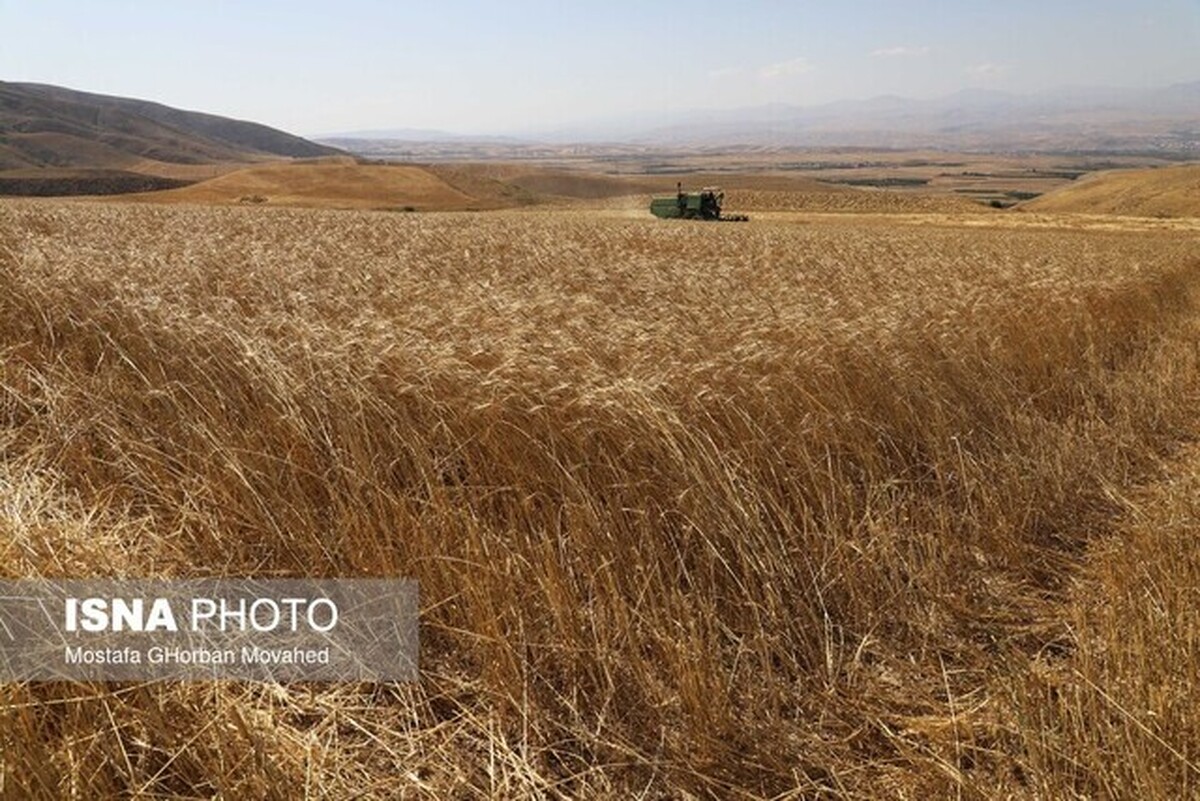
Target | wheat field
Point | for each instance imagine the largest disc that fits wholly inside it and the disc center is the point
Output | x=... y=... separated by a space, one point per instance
x=776 y=510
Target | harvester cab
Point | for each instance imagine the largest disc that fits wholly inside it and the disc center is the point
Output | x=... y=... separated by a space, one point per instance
x=702 y=205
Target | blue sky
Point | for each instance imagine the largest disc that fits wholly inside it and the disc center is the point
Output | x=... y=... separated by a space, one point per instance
x=481 y=67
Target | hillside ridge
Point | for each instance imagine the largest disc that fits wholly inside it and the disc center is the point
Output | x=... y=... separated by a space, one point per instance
x=51 y=126
x=1159 y=192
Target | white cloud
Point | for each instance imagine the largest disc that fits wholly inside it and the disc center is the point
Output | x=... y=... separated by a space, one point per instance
x=795 y=66
x=987 y=69
x=899 y=51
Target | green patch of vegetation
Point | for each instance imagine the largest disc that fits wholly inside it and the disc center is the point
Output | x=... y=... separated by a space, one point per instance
x=877 y=182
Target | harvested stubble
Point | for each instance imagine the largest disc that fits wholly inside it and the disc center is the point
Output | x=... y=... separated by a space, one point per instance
x=715 y=510
x=867 y=201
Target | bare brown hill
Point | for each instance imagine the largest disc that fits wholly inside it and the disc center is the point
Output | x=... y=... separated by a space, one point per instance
x=1160 y=192
x=49 y=126
x=338 y=182
x=521 y=184
x=60 y=141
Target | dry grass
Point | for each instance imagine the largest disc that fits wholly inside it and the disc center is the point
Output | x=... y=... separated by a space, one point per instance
x=1163 y=192
x=322 y=183
x=851 y=201
x=1111 y=711
x=697 y=511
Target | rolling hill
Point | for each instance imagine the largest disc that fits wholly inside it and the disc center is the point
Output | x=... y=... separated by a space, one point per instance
x=327 y=183
x=344 y=183
x=1162 y=192
x=49 y=127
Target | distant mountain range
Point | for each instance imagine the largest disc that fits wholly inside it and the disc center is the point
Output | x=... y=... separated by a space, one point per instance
x=48 y=126
x=413 y=135
x=1164 y=121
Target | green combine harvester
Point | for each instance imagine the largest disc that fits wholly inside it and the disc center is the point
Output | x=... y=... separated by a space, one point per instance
x=702 y=205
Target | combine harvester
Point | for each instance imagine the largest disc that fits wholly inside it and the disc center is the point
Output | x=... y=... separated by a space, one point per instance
x=702 y=205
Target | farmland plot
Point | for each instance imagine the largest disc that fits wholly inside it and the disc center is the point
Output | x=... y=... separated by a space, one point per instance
x=727 y=510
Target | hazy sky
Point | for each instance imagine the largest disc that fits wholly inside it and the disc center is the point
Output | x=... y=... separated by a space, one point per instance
x=474 y=66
